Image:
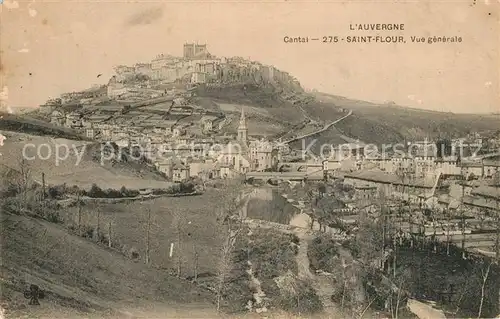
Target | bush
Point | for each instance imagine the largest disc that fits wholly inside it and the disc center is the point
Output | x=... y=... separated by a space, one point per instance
x=33 y=206
x=10 y=190
x=304 y=301
x=57 y=192
x=128 y=192
x=95 y=192
x=74 y=190
x=273 y=253
x=133 y=254
x=186 y=187
x=181 y=188
x=112 y=193
x=320 y=252
x=53 y=217
x=236 y=291
x=159 y=191
x=353 y=247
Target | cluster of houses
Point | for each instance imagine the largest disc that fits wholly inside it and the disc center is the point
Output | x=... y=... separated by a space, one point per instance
x=424 y=177
x=219 y=157
x=187 y=141
x=166 y=143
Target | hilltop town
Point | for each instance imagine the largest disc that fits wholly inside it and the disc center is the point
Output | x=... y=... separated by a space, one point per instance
x=150 y=105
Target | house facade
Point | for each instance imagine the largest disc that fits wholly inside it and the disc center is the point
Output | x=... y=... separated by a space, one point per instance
x=57 y=118
x=180 y=172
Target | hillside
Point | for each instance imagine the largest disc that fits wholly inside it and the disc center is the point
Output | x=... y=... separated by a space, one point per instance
x=268 y=98
x=82 y=279
x=28 y=124
x=379 y=123
x=81 y=169
x=370 y=122
x=279 y=111
x=197 y=217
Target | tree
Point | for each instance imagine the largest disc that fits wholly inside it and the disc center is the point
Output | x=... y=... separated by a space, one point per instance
x=79 y=203
x=347 y=273
x=109 y=235
x=485 y=272
x=370 y=241
x=324 y=210
x=383 y=222
x=95 y=192
x=231 y=227
x=497 y=235
x=395 y=305
x=97 y=235
x=178 y=224
x=195 y=275
x=22 y=182
x=148 y=230
x=225 y=262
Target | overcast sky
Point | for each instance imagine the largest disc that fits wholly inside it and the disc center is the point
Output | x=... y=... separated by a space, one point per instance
x=51 y=48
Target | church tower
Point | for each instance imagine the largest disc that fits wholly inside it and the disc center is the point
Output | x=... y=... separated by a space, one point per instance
x=242 y=128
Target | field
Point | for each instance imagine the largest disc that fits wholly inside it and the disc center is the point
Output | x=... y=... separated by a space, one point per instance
x=197 y=217
x=82 y=173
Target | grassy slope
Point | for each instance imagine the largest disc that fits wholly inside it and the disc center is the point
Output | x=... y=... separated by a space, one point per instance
x=198 y=224
x=87 y=172
x=82 y=278
x=255 y=96
x=374 y=123
x=31 y=125
x=270 y=114
x=370 y=122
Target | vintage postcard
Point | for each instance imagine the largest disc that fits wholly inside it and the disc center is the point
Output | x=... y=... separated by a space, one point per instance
x=249 y=159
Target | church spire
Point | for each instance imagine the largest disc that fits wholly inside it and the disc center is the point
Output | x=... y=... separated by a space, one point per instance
x=242 y=127
x=243 y=120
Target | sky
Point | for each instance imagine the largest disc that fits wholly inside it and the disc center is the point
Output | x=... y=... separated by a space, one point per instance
x=48 y=48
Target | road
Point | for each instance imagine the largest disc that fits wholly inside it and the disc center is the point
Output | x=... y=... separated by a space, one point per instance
x=326 y=127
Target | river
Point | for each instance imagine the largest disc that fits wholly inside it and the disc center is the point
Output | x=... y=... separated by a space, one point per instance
x=268 y=204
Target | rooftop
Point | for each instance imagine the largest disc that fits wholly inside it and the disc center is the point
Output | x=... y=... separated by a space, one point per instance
x=385 y=178
x=487 y=191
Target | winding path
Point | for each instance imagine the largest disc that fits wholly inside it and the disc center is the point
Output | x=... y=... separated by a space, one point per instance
x=326 y=127
x=321 y=283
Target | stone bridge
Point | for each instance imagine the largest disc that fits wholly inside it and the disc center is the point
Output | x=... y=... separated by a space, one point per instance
x=285 y=176
x=300 y=166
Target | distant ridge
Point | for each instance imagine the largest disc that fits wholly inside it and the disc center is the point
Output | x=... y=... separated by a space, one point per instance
x=383 y=123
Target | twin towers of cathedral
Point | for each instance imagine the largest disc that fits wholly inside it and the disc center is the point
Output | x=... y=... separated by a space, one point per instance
x=243 y=128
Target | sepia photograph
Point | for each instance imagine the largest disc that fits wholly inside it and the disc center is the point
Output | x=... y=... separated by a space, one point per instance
x=249 y=159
